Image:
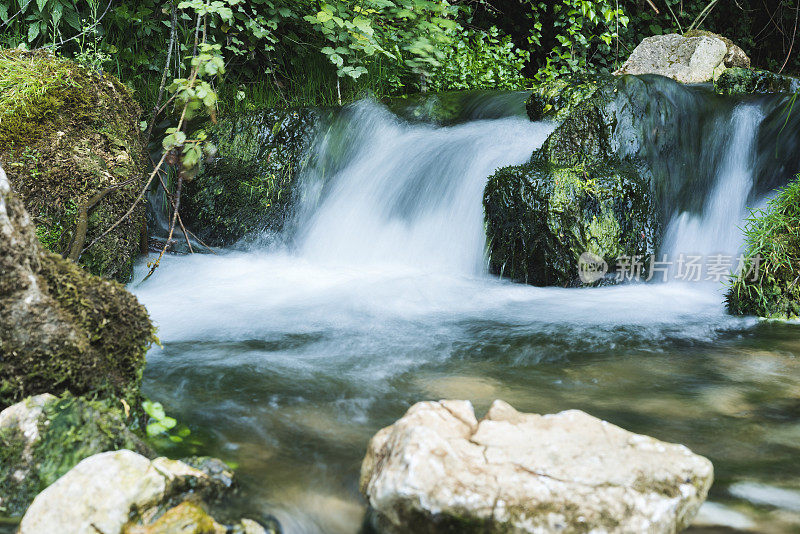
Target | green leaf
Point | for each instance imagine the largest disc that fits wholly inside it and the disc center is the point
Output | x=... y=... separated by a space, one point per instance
x=33 y=32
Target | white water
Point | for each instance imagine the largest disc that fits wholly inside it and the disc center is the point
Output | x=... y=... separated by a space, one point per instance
x=718 y=229
x=411 y=196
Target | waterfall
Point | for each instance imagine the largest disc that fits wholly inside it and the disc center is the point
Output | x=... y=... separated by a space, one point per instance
x=411 y=194
x=717 y=229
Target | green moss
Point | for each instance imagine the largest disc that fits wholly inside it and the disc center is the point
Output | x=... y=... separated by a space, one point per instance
x=554 y=100
x=577 y=194
x=71 y=429
x=187 y=517
x=67 y=133
x=541 y=217
x=249 y=184
x=740 y=80
x=769 y=285
x=105 y=357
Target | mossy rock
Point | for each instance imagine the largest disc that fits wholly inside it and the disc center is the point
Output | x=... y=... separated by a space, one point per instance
x=61 y=328
x=554 y=100
x=740 y=80
x=248 y=186
x=67 y=430
x=587 y=189
x=442 y=109
x=66 y=134
x=769 y=285
x=541 y=217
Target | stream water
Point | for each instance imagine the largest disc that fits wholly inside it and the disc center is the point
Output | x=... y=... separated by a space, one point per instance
x=286 y=359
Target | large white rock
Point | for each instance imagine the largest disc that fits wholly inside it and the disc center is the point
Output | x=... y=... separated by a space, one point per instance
x=439 y=469
x=684 y=59
x=100 y=493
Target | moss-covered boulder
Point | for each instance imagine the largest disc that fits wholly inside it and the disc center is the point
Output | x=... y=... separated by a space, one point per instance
x=769 y=284
x=61 y=328
x=585 y=190
x=248 y=186
x=741 y=80
x=43 y=437
x=69 y=136
x=542 y=217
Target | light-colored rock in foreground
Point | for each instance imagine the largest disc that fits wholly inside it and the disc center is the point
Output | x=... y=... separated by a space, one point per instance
x=438 y=469
x=684 y=59
x=122 y=491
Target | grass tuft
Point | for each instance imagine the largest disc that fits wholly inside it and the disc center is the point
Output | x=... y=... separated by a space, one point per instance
x=769 y=283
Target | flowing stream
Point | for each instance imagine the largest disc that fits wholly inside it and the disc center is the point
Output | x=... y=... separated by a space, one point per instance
x=286 y=359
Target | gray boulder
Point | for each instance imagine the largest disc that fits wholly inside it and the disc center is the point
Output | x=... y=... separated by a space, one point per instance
x=684 y=59
x=438 y=469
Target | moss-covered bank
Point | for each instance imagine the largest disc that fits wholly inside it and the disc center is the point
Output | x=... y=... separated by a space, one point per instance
x=769 y=285
x=66 y=134
x=61 y=328
x=248 y=186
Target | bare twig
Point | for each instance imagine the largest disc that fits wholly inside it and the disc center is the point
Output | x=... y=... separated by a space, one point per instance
x=171 y=228
x=172 y=203
x=794 y=34
x=172 y=37
x=83 y=219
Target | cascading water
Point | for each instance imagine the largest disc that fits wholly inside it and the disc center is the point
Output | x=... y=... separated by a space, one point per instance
x=717 y=230
x=286 y=360
x=412 y=194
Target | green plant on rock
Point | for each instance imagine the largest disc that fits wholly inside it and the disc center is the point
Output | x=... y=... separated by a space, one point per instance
x=768 y=284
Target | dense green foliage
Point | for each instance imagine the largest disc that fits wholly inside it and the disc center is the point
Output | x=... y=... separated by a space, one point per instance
x=769 y=284
x=317 y=52
x=280 y=52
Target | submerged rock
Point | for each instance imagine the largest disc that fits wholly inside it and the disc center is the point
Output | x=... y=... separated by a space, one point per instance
x=121 y=491
x=62 y=329
x=248 y=185
x=438 y=469
x=684 y=59
x=43 y=437
x=455 y=107
x=68 y=136
x=741 y=80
